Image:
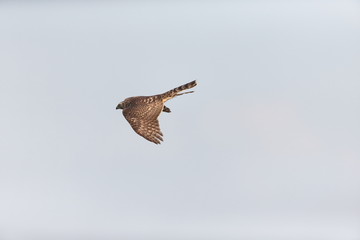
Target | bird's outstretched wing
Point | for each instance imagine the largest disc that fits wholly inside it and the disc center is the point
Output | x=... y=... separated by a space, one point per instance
x=147 y=128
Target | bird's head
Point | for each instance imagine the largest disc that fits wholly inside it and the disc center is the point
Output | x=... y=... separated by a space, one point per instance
x=124 y=104
x=120 y=106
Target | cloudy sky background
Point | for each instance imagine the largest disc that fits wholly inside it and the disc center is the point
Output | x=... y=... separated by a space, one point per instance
x=266 y=148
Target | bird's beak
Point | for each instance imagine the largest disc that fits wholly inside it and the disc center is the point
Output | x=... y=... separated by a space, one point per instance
x=119 y=106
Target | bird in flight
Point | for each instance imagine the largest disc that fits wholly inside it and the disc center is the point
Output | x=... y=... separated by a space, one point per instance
x=142 y=112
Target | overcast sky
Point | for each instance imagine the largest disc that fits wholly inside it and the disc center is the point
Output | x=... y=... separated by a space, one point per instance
x=267 y=148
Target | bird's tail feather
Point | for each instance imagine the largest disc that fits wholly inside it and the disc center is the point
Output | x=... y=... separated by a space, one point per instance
x=176 y=91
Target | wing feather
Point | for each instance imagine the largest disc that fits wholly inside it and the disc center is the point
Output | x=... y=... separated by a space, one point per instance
x=148 y=128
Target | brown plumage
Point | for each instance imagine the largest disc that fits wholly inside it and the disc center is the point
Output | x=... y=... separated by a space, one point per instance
x=142 y=112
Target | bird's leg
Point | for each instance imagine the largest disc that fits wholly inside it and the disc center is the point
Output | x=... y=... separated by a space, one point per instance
x=166 y=109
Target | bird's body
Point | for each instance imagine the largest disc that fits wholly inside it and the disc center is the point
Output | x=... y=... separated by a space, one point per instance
x=142 y=111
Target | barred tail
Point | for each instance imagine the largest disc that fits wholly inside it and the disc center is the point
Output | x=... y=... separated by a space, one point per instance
x=175 y=92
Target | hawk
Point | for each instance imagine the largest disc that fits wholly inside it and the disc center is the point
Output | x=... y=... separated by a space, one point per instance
x=142 y=112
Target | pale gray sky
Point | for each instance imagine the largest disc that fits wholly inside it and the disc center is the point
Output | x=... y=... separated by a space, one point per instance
x=267 y=148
